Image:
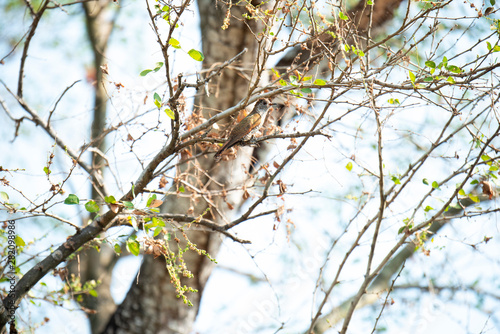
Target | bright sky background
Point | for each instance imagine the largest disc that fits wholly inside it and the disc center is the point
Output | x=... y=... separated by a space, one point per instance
x=232 y=303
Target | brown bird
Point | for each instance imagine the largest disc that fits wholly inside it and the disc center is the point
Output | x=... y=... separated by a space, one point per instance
x=245 y=127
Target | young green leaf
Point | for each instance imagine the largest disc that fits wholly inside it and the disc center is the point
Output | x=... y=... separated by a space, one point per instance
x=133 y=247
x=46 y=170
x=150 y=200
x=170 y=113
x=72 y=199
x=159 y=65
x=349 y=166
x=4 y=196
x=157 y=231
x=19 y=241
x=319 y=82
x=435 y=185
x=145 y=72
x=157 y=104
x=133 y=222
x=91 y=206
x=412 y=77
x=196 y=55
x=343 y=16
x=474 y=198
x=454 y=69
x=430 y=64
x=110 y=199
x=174 y=43
x=128 y=205
x=157 y=97
x=395 y=180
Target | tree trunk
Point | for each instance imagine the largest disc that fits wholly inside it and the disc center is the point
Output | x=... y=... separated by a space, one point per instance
x=151 y=305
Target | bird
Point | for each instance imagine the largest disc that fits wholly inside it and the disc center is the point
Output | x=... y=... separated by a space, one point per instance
x=246 y=126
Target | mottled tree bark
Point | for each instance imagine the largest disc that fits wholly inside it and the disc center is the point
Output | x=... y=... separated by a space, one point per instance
x=151 y=305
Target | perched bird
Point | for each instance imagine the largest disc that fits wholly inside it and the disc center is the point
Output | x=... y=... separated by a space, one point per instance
x=245 y=127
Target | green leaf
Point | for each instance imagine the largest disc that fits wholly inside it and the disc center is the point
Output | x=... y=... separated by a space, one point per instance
x=474 y=182
x=283 y=82
x=196 y=55
x=133 y=247
x=349 y=166
x=165 y=8
x=450 y=80
x=181 y=188
x=435 y=185
x=307 y=78
x=474 y=198
x=428 y=208
x=485 y=157
x=175 y=43
x=428 y=79
x=157 y=231
x=319 y=82
x=430 y=64
x=170 y=113
x=157 y=97
x=157 y=104
x=395 y=180
x=110 y=199
x=128 y=205
x=493 y=168
x=145 y=72
x=369 y=3
x=454 y=69
x=461 y=192
x=118 y=249
x=492 y=2
x=91 y=206
x=46 y=170
x=4 y=196
x=93 y=293
x=425 y=181
x=306 y=90
x=159 y=65
x=343 y=16
x=488 y=45
x=412 y=77
x=151 y=199
x=393 y=101
x=19 y=241
x=72 y=199
x=133 y=222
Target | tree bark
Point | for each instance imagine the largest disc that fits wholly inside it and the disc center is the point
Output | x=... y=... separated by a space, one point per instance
x=151 y=305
